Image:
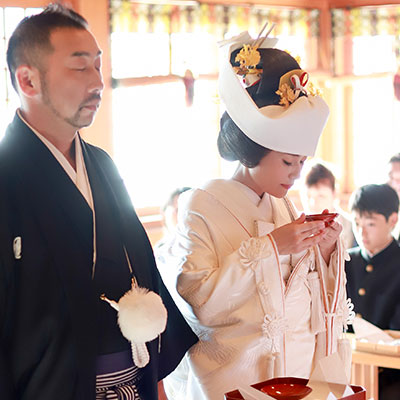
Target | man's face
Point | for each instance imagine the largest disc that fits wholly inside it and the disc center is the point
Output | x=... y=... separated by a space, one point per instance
x=394 y=176
x=373 y=231
x=71 y=82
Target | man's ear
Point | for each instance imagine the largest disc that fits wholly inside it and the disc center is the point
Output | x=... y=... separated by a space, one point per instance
x=28 y=80
x=393 y=219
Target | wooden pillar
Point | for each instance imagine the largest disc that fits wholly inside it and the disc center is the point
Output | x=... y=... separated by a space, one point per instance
x=325 y=60
x=348 y=184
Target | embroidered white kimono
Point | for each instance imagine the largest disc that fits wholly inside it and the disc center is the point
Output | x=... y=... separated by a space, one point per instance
x=256 y=315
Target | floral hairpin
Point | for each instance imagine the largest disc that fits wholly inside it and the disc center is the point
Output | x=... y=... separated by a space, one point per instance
x=292 y=84
x=313 y=90
x=249 y=57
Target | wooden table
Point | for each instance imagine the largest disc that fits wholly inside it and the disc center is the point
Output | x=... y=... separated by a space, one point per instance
x=364 y=370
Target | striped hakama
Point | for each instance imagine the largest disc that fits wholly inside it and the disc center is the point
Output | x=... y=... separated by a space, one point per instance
x=117 y=378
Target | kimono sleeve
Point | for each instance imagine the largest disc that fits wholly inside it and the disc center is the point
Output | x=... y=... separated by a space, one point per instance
x=208 y=277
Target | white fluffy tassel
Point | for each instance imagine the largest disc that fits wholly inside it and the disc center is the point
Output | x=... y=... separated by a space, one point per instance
x=142 y=316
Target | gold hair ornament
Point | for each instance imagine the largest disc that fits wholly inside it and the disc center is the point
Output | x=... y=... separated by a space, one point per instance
x=313 y=90
x=248 y=58
x=292 y=84
x=286 y=94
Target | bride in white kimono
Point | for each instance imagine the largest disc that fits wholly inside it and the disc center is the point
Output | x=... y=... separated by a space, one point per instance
x=263 y=289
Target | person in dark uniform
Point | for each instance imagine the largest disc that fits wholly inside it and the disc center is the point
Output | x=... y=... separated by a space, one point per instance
x=373 y=272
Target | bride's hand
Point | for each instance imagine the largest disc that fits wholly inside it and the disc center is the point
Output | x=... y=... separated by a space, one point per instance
x=298 y=236
x=329 y=237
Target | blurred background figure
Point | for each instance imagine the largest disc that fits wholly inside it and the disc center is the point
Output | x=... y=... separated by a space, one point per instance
x=319 y=193
x=170 y=209
x=169 y=213
x=394 y=173
x=188 y=81
x=394 y=182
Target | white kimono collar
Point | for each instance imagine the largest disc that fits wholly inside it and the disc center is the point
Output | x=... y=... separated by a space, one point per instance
x=78 y=177
x=232 y=194
x=263 y=202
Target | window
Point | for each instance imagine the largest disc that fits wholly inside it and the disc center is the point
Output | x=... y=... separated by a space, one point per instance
x=136 y=54
x=376 y=125
x=374 y=54
x=161 y=143
x=9 y=19
x=366 y=48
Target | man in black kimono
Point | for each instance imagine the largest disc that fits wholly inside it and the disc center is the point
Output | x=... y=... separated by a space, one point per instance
x=69 y=233
x=373 y=272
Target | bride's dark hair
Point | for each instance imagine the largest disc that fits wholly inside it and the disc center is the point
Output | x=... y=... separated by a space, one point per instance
x=233 y=144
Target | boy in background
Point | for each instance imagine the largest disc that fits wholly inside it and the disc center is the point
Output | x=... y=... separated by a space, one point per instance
x=373 y=272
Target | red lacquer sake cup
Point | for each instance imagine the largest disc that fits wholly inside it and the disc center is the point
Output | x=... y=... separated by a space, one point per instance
x=327 y=218
x=286 y=389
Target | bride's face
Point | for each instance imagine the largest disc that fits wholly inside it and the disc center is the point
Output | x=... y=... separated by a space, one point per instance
x=276 y=173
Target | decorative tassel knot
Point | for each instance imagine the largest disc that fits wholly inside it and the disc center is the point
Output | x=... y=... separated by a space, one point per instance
x=273 y=329
x=348 y=314
x=142 y=317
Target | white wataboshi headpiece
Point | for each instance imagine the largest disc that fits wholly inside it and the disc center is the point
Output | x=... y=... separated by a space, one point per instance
x=293 y=129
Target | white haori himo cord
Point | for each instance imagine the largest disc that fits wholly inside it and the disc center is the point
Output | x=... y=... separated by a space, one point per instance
x=142 y=317
x=294 y=129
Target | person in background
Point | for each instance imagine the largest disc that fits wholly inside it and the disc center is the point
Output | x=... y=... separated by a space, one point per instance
x=394 y=182
x=69 y=235
x=245 y=269
x=169 y=213
x=373 y=271
x=189 y=81
x=319 y=193
x=394 y=173
x=170 y=209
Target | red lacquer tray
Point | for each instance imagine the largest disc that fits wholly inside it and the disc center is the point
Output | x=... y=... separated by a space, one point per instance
x=359 y=391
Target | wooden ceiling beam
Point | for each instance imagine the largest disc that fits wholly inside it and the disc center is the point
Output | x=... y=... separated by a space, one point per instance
x=360 y=3
x=24 y=3
x=34 y=3
x=320 y=4
x=268 y=3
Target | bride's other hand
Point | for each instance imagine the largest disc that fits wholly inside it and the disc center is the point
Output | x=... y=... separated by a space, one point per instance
x=298 y=236
x=329 y=237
